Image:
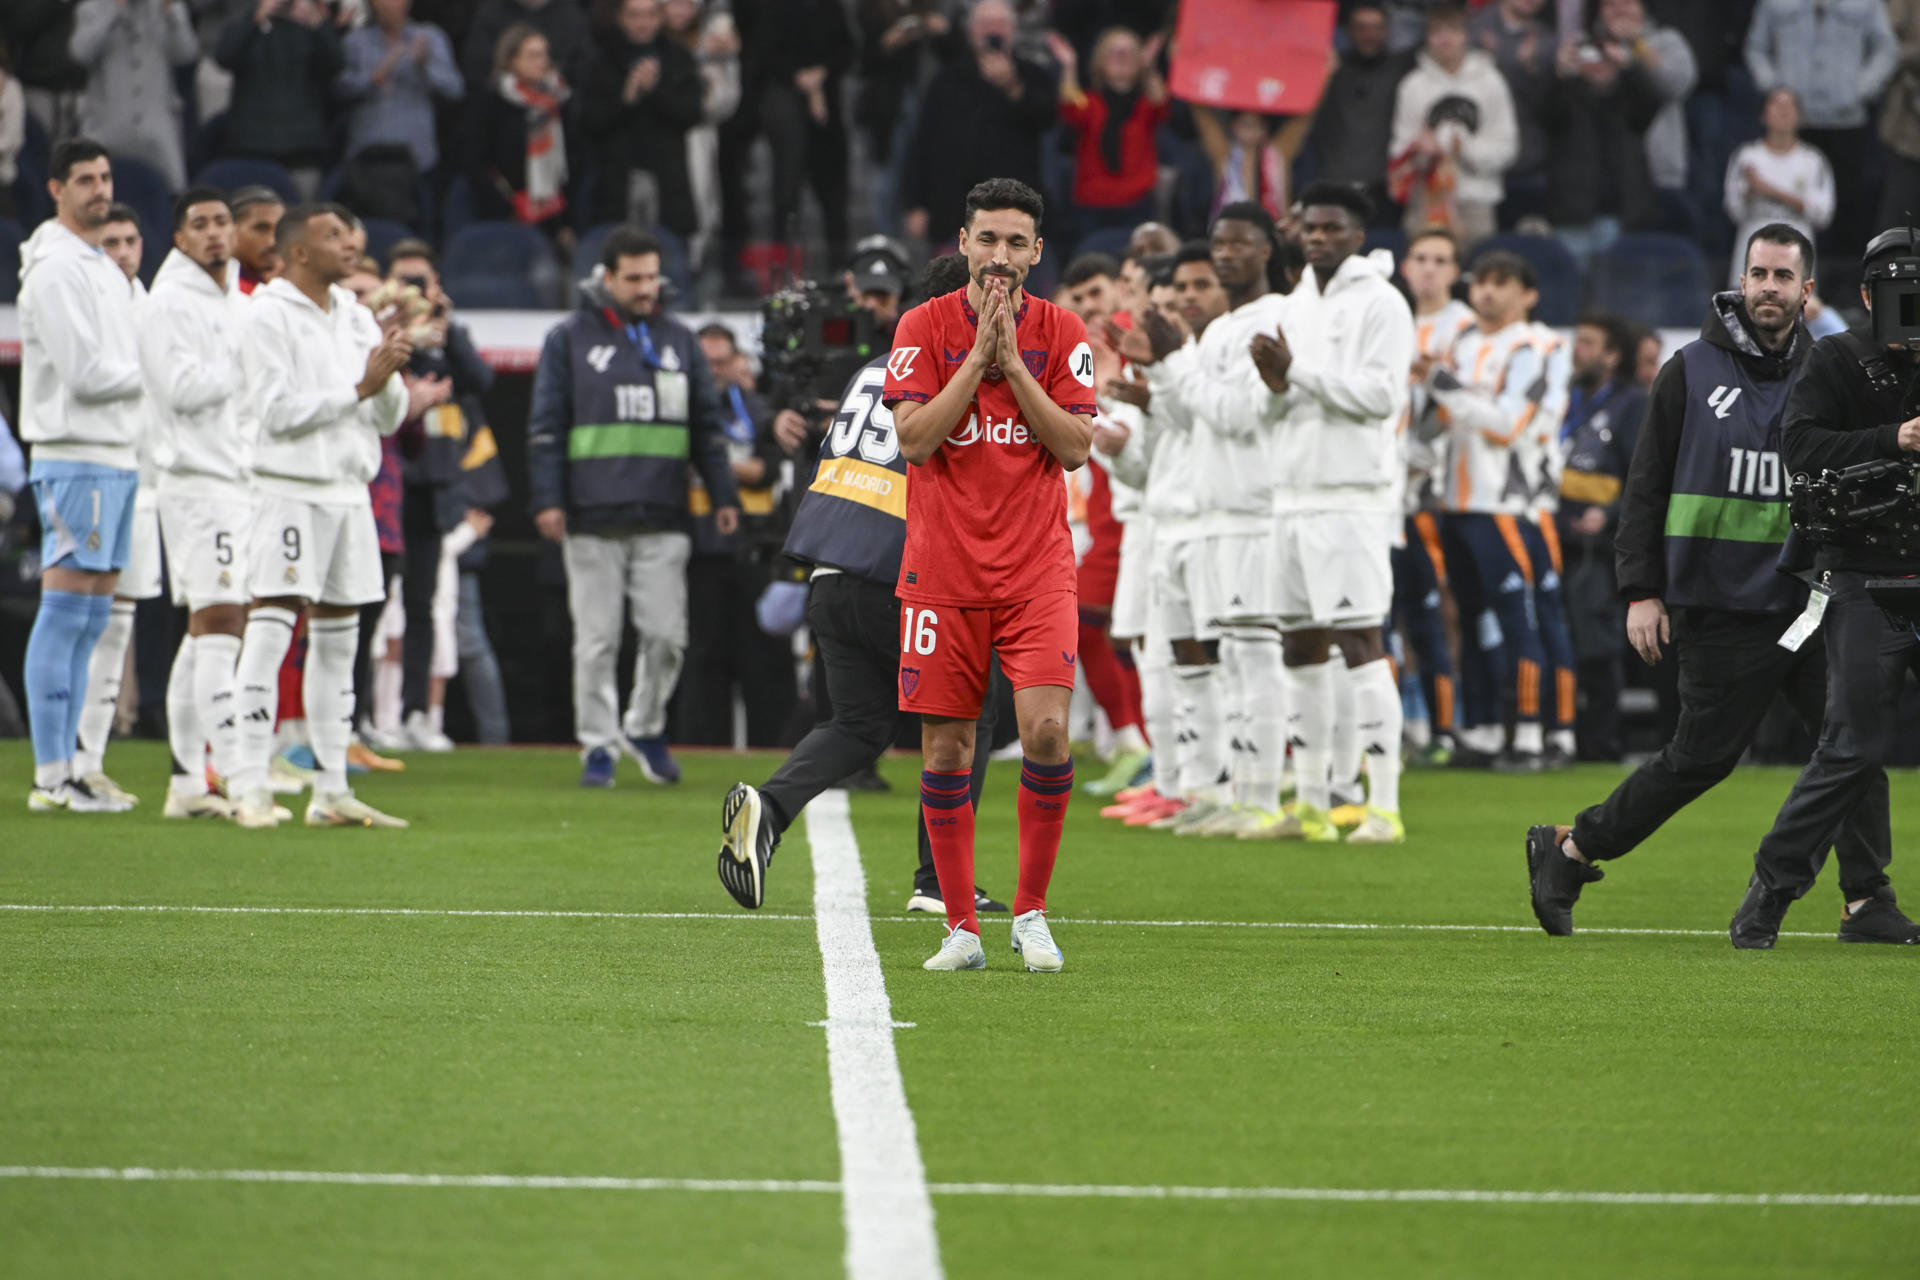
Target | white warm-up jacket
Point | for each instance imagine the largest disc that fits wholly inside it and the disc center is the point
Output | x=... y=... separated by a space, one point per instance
x=1211 y=384
x=80 y=381
x=1337 y=447
x=319 y=441
x=1158 y=461
x=192 y=329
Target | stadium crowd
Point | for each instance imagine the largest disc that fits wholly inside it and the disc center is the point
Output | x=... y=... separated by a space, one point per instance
x=1502 y=162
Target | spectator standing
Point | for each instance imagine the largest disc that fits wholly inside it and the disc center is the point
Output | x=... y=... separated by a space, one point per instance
x=1454 y=133
x=519 y=167
x=1114 y=116
x=1597 y=118
x=981 y=117
x=284 y=57
x=38 y=33
x=1777 y=178
x=1251 y=161
x=623 y=401
x=1836 y=56
x=899 y=42
x=1899 y=119
x=562 y=22
x=799 y=50
x=1519 y=36
x=130 y=48
x=643 y=95
x=712 y=39
x=13 y=131
x=1354 y=125
x=1627 y=38
x=395 y=69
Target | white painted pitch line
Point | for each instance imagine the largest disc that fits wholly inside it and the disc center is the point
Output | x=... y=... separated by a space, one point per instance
x=922 y=918
x=1076 y=1191
x=884 y=1201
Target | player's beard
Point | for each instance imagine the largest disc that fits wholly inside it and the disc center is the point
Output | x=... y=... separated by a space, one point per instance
x=989 y=274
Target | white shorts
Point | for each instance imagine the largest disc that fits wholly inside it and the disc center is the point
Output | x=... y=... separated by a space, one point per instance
x=1332 y=569
x=140 y=580
x=1131 y=588
x=206 y=541
x=1237 y=578
x=322 y=553
x=1178 y=612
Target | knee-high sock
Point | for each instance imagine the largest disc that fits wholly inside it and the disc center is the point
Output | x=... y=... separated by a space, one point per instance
x=1310 y=730
x=263 y=648
x=1376 y=705
x=106 y=668
x=331 y=645
x=215 y=662
x=62 y=639
x=388 y=676
x=1044 y=792
x=1263 y=690
x=1231 y=694
x=1346 y=734
x=1202 y=742
x=1157 y=699
x=184 y=733
x=946 y=803
x=1105 y=680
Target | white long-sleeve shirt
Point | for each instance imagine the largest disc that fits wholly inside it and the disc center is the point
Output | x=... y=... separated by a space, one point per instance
x=1801 y=172
x=80 y=380
x=319 y=442
x=1470 y=110
x=191 y=333
x=1502 y=403
x=1337 y=444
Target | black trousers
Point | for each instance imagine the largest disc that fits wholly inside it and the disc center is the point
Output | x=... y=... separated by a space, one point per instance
x=419 y=575
x=725 y=648
x=856 y=624
x=1731 y=665
x=1843 y=789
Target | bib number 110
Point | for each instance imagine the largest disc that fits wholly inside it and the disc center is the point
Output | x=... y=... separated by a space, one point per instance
x=1755 y=473
x=917 y=630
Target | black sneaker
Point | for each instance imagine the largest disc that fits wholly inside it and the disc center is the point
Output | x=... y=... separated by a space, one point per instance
x=1879 y=919
x=1757 y=923
x=750 y=842
x=1466 y=757
x=1554 y=759
x=981 y=902
x=929 y=900
x=867 y=779
x=1554 y=880
x=1520 y=762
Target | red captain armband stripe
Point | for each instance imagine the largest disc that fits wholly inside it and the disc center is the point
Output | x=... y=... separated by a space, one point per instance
x=1087 y=409
x=918 y=397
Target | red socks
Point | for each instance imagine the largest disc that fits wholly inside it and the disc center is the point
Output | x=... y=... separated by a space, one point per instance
x=1044 y=792
x=947 y=804
x=1113 y=681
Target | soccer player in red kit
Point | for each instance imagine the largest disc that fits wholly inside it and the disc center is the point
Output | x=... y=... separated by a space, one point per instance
x=992 y=398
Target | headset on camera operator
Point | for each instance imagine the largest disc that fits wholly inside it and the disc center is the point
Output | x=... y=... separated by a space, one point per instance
x=1856 y=409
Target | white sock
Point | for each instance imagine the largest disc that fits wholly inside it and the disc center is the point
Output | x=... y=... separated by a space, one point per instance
x=1310 y=731
x=52 y=774
x=1201 y=745
x=1231 y=695
x=437 y=719
x=1263 y=687
x=1484 y=738
x=215 y=659
x=288 y=734
x=1377 y=713
x=256 y=696
x=386 y=695
x=105 y=671
x=184 y=735
x=1157 y=700
x=1124 y=740
x=332 y=644
x=1528 y=738
x=1563 y=740
x=1345 y=770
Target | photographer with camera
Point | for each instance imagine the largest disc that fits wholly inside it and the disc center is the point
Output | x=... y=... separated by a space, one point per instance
x=1857 y=403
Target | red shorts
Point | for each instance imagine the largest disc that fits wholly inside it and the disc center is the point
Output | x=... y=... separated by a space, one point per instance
x=945 y=651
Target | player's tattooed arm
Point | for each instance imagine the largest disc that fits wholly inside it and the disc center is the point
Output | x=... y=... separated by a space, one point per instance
x=922 y=428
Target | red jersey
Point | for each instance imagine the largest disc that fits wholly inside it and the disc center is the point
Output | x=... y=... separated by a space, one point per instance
x=987 y=514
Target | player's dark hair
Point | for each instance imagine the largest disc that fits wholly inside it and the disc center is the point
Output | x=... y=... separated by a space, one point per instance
x=293 y=224
x=412 y=247
x=248 y=198
x=118 y=212
x=1158 y=269
x=1341 y=195
x=943 y=275
x=1248 y=211
x=1499 y=264
x=193 y=196
x=1781 y=233
x=71 y=152
x=1005 y=193
x=628 y=242
x=1437 y=233
x=718 y=330
x=1193 y=251
x=1446 y=15
x=1619 y=337
x=1088 y=266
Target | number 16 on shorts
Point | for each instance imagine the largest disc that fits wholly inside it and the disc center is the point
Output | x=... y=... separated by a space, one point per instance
x=917 y=630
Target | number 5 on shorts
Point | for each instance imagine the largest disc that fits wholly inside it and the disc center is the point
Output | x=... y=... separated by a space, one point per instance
x=921 y=638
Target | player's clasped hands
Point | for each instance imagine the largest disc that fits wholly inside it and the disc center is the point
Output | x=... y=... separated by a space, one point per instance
x=988 y=331
x=384 y=361
x=1272 y=358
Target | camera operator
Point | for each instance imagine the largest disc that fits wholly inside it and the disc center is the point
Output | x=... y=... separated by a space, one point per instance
x=1691 y=540
x=1858 y=402
x=875 y=279
x=851 y=527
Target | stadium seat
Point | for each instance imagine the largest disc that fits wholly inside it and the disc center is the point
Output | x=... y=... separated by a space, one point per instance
x=35 y=205
x=382 y=235
x=12 y=235
x=1655 y=279
x=458 y=213
x=1558 y=273
x=674 y=261
x=1108 y=240
x=232 y=174
x=140 y=185
x=501 y=266
x=1392 y=239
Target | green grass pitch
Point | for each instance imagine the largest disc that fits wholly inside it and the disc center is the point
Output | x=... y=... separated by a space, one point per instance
x=1204 y=1055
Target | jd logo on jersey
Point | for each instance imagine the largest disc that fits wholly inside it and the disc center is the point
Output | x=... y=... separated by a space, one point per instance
x=1721 y=401
x=600 y=357
x=900 y=363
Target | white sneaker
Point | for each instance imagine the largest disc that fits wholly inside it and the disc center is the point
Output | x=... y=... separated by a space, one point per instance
x=1034 y=941
x=54 y=798
x=385 y=739
x=257 y=811
x=921 y=902
x=1190 y=820
x=1224 y=823
x=82 y=798
x=961 y=950
x=287 y=778
x=1379 y=827
x=101 y=785
x=204 y=805
x=418 y=734
x=347 y=810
